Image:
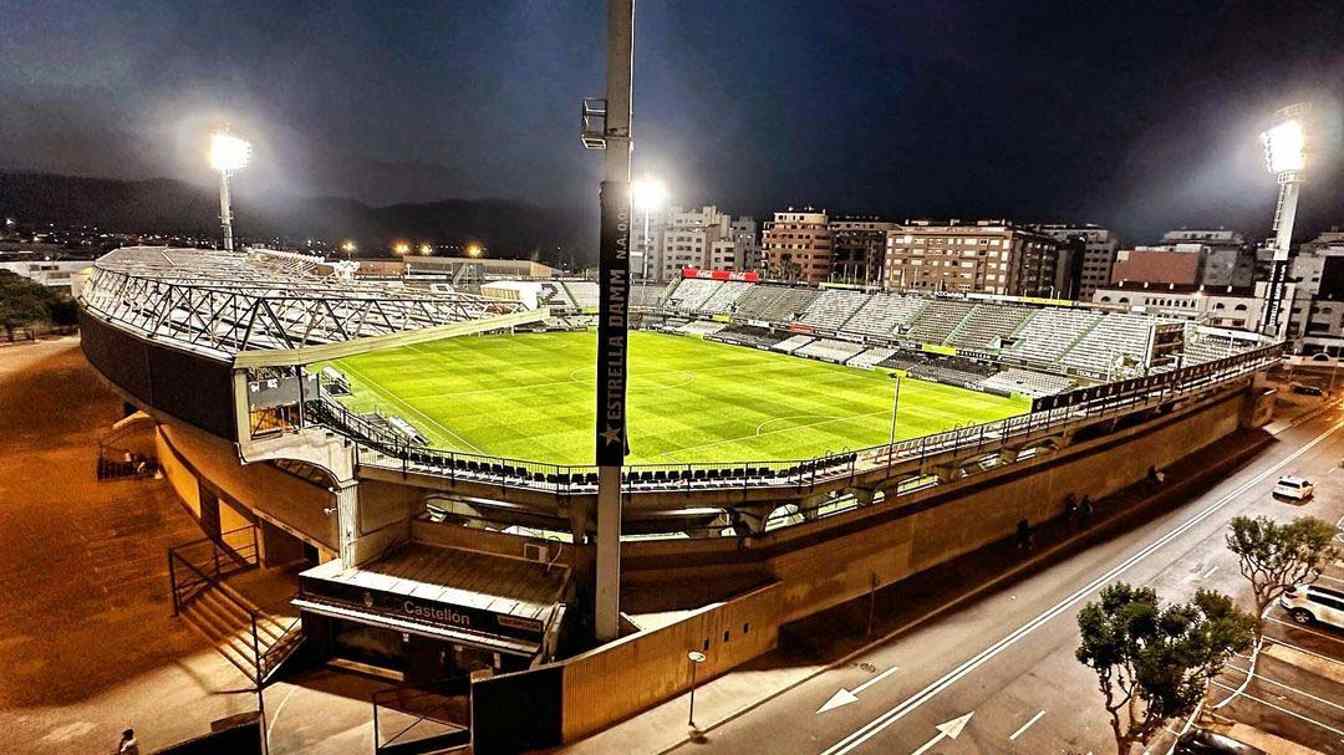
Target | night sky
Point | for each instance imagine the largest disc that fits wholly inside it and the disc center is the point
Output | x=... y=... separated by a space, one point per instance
x=1142 y=116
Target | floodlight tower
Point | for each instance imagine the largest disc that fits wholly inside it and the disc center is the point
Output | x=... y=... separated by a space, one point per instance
x=648 y=195
x=1286 y=157
x=228 y=153
x=606 y=126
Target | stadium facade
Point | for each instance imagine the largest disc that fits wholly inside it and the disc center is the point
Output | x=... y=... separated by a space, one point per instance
x=435 y=562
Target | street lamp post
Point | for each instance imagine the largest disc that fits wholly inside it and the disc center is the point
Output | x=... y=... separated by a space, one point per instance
x=228 y=154
x=696 y=657
x=895 y=402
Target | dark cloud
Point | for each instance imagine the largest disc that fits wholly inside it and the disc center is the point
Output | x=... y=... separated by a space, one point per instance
x=1138 y=115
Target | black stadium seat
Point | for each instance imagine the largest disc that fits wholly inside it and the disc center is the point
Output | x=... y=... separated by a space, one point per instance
x=660 y=475
x=592 y=478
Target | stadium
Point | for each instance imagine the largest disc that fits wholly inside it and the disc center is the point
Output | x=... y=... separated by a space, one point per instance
x=429 y=452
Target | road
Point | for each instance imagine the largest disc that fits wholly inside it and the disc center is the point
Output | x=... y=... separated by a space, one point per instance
x=1006 y=659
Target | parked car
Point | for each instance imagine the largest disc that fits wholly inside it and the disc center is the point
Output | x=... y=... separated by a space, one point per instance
x=1296 y=488
x=1205 y=742
x=1306 y=390
x=1311 y=603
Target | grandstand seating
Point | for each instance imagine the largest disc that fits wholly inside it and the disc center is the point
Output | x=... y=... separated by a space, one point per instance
x=987 y=322
x=701 y=327
x=1050 y=332
x=882 y=314
x=647 y=294
x=583 y=293
x=553 y=294
x=937 y=321
x=722 y=299
x=773 y=303
x=833 y=308
x=871 y=358
x=792 y=344
x=745 y=335
x=691 y=293
x=830 y=350
x=1117 y=335
x=1026 y=382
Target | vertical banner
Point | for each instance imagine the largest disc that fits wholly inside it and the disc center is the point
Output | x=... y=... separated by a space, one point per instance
x=612 y=333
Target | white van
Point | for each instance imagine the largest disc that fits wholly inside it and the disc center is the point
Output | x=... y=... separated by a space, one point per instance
x=1296 y=488
x=1308 y=603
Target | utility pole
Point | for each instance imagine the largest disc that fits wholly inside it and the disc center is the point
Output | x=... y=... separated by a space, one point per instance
x=606 y=126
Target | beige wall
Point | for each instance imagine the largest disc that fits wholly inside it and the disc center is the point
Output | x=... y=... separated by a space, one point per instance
x=650 y=667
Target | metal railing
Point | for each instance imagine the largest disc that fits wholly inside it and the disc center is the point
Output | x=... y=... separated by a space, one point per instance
x=199 y=565
x=377 y=447
x=421 y=706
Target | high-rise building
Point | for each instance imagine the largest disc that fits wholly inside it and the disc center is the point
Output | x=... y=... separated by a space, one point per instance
x=797 y=246
x=990 y=256
x=746 y=244
x=689 y=238
x=858 y=246
x=1228 y=260
x=1099 y=248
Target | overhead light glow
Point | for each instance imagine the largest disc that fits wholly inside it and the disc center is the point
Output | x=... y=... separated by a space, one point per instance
x=401 y=247
x=426 y=249
x=228 y=152
x=474 y=250
x=348 y=247
x=1285 y=147
x=648 y=194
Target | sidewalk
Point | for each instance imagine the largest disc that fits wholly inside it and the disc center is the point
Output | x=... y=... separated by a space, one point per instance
x=918 y=599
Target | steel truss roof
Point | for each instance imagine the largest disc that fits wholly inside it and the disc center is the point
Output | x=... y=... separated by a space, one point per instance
x=224 y=303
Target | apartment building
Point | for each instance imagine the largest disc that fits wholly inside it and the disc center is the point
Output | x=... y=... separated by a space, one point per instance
x=797 y=246
x=1099 y=248
x=987 y=256
x=858 y=246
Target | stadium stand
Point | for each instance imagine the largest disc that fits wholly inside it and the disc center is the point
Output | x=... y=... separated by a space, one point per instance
x=792 y=344
x=746 y=335
x=647 y=294
x=833 y=308
x=701 y=328
x=937 y=321
x=553 y=294
x=988 y=322
x=829 y=350
x=1118 y=335
x=773 y=303
x=584 y=294
x=871 y=358
x=722 y=299
x=882 y=314
x=691 y=293
x=1026 y=382
x=1050 y=332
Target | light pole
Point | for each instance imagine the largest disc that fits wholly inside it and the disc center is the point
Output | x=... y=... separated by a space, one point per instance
x=895 y=402
x=349 y=249
x=696 y=657
x=1286 y=157
x=228 y=153
x=647 y=194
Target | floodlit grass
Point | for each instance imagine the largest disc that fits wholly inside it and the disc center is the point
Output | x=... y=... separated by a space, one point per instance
x=532 y=397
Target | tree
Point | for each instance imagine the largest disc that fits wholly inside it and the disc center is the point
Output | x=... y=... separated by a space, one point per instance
x=22 y=302
x=1275 y=556
x=1154 y=662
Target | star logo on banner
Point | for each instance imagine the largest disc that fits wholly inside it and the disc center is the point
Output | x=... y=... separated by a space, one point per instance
x=613 y=435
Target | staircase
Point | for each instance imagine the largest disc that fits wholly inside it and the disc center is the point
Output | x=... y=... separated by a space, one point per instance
x=254 y=641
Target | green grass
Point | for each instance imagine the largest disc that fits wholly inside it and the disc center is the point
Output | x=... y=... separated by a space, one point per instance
x=532 y=397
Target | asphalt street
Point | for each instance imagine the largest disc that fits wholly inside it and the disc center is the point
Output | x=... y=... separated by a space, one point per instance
x=998 y=673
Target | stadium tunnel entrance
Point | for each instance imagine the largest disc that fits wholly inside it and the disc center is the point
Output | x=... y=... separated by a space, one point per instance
x=430 y=616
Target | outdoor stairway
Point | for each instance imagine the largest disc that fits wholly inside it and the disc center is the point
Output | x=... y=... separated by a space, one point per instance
x=226 y=619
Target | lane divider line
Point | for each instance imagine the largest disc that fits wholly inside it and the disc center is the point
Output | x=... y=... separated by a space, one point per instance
x=1026 y=726
x=871 y=729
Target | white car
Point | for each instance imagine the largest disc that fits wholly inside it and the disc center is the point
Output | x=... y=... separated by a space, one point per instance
x=1309 y=603
x=1296 y=488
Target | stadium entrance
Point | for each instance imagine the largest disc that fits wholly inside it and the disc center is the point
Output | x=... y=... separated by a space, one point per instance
x=425 y=614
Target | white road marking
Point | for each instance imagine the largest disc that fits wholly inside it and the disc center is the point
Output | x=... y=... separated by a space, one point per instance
x=1210 y=572
x=1301 y=628
x=947 y=729
x=1026 y=726
x=844 y=696
x=1326 y=658
x=1294 y=714
x=872 y=728
x=1303 y=693
x=1332 y=579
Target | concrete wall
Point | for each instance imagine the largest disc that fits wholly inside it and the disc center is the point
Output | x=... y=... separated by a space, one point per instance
x=650 y=667
x=188 y=454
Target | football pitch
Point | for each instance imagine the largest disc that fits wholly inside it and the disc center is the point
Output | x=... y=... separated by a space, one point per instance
x=531 y=396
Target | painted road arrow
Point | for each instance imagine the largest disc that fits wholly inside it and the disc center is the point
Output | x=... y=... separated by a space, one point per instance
x=844 y=697
x=948 y=729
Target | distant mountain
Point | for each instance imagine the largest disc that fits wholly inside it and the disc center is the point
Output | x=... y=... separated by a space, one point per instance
x=507 y=228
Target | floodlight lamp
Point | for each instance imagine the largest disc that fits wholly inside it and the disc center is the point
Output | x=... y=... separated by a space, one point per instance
x=474 y=250
x=348 y=247
x=648 y=194
x=426 y=249
x=228 y=152
x=402 y=248
x=1285 y=147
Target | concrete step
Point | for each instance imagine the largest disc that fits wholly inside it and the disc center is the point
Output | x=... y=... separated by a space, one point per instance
x=229 y=650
